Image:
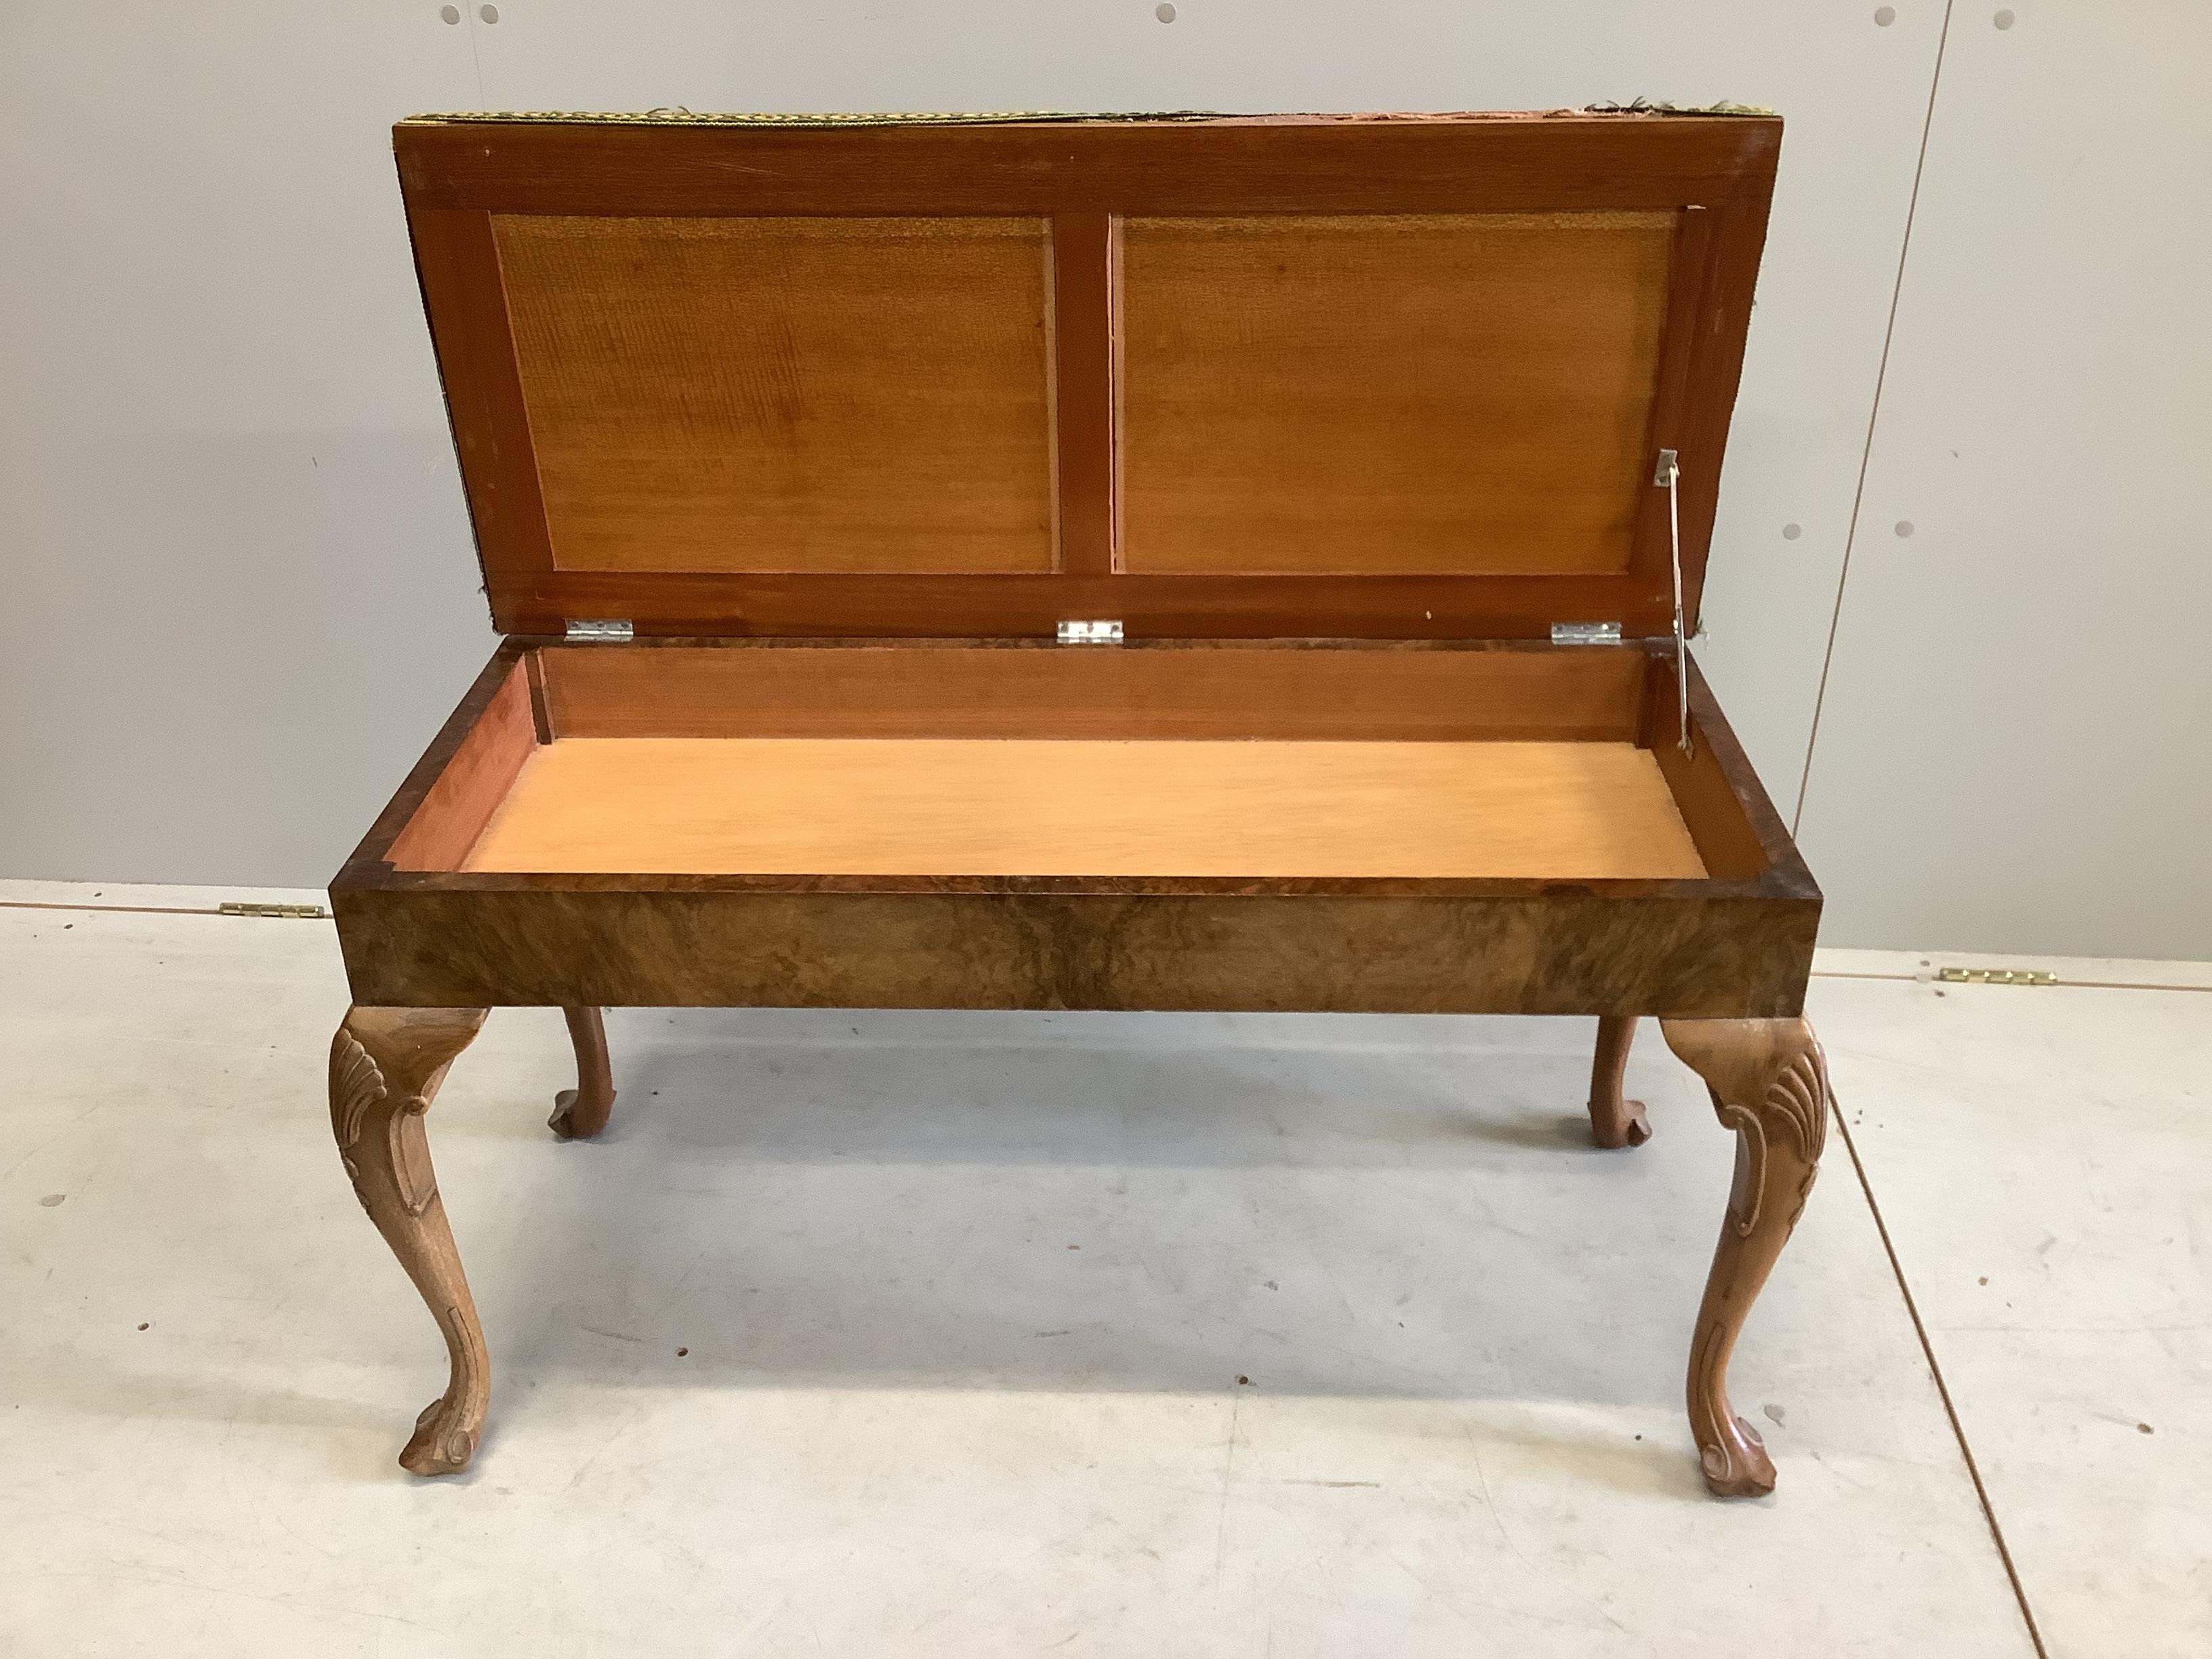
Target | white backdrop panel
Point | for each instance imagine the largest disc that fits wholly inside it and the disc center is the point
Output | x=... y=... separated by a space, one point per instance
x=239 y=589
x=2016 y=749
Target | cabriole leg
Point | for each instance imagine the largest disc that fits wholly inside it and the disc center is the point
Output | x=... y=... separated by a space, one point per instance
x=1770 y=1085
x=385 y=1067
x=581 y=1112
x=1614 y=1121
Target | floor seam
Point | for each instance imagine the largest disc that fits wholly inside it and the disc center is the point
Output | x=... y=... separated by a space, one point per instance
x=1942 y=1389
x=116 y=909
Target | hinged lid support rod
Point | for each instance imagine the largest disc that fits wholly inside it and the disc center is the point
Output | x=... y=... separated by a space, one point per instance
x=1669 y=474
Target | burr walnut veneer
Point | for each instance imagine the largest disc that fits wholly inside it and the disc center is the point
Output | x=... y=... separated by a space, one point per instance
x=788 y=447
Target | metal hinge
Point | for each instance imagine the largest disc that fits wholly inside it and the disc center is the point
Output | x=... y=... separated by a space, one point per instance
x=1091 y=633
x=305 y=912
x=1585 y=633
x=597 y=628
x=1995 y=977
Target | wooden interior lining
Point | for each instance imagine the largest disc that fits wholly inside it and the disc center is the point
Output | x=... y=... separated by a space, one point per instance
x=1725 y=838
x=1048 y=691
x=1321 y=694
x=475 y=782
x=824 y=395
x=926 y=806
x=1414 y=394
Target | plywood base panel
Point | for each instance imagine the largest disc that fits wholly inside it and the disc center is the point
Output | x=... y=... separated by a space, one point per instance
x=908 y=806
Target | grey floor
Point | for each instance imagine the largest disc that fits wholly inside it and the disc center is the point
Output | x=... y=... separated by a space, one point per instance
x=898 y=1334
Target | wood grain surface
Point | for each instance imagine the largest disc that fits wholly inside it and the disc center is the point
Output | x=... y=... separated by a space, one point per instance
x=778 y=394
x=474 y=782
x=1703 y=950
x=1384 y=394
x=935 y=806
x=648 y=690
x=1459 y=163
x=1178 y=689
x=1445 y=555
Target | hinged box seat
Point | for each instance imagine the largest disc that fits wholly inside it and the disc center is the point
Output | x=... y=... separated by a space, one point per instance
x=1186 y=564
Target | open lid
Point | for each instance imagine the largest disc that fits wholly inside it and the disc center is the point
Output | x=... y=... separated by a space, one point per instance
x=1400 y=376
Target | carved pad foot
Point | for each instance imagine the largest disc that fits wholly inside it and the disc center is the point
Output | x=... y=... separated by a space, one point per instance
x=1770 y=1084
x=581 y=1112
x=1614 y=1123
x=1737 y=1466
x=1621 y=1124
x=563 y=1120
x=444 y=1437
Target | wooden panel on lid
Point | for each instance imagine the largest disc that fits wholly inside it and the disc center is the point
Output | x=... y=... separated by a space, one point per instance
x=1439 y=394
x=786 y=394
x=1394 y=377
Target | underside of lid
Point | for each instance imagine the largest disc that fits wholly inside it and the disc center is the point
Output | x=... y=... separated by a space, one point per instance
x=1387 y=376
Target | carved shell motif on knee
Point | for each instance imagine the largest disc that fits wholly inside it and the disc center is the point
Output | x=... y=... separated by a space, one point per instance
x=356 y=1084
x=1795 y=1103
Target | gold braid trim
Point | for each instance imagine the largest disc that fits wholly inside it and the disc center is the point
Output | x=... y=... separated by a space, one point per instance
x=684 y=117
x=679 y=117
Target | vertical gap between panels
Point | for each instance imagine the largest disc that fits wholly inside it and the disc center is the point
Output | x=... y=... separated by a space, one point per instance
x=1117 y=431
x=476 y=55
x=1874 y=415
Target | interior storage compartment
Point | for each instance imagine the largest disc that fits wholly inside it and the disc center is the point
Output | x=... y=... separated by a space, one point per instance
x=1206 y=759
x=1062 y=806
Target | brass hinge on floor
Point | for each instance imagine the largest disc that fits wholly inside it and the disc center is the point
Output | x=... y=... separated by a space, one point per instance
x=305 y=912
x=1995 y=977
